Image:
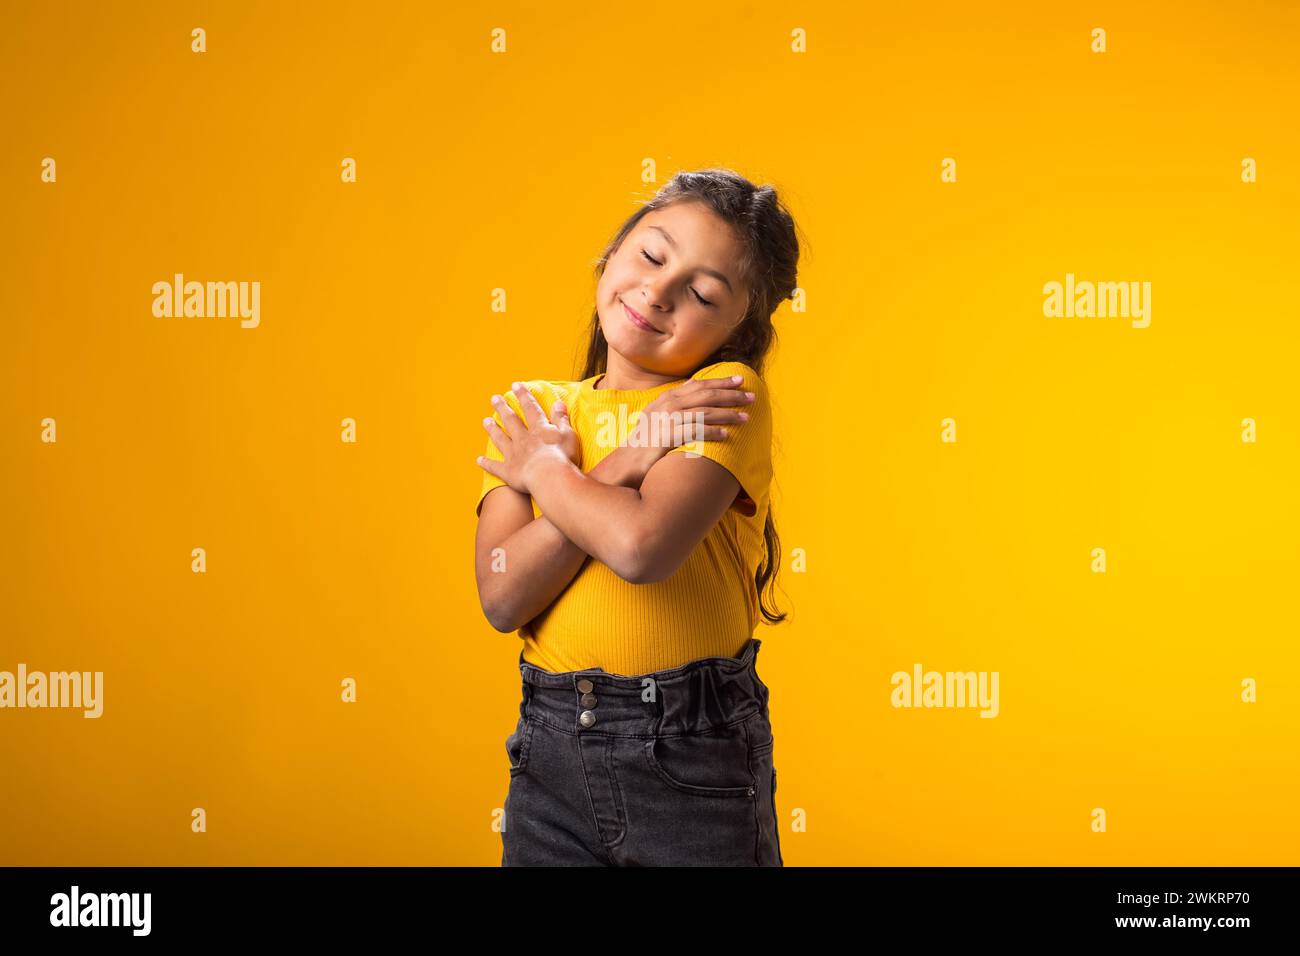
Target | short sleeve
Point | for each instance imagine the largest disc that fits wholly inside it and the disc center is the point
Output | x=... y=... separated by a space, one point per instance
x=546 y=394
x=746 y=451
x=490 y=480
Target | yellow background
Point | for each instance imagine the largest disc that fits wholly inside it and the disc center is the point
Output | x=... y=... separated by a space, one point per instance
x=478 y=170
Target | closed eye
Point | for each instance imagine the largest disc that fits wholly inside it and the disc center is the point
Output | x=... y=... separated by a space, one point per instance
x=658 y=263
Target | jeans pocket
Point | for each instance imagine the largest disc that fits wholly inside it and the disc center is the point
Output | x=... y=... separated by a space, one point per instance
x=517 y=745
x=759 y=732
x=704 y=765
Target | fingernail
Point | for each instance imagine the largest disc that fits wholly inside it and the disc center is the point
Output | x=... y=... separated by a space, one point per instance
x=737 y=378
x=486 y=422
x=744 y=416
x=495 y=399
x=514 y=384
x=749 y=395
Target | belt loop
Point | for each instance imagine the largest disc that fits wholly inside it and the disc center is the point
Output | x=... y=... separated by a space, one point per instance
x=761 y=687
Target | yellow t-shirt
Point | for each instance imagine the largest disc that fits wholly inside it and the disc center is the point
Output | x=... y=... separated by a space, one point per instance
x=709 y=606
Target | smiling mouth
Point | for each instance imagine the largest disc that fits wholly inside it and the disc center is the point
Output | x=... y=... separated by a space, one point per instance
x=637 y=320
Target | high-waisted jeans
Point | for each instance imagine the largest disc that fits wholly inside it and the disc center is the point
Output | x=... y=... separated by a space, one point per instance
x=672 y=768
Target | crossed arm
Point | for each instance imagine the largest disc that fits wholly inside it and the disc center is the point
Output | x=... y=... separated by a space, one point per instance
x=641 y=523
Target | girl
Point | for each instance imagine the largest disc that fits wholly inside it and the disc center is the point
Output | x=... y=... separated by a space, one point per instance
x=631 y=552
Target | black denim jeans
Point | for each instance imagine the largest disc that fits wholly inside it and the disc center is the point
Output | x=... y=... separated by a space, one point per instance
x=672 y=768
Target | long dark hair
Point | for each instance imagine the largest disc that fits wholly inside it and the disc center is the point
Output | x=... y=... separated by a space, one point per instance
x=769 y=264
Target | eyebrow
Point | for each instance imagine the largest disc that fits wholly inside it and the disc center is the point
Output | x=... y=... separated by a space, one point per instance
x=708 y=272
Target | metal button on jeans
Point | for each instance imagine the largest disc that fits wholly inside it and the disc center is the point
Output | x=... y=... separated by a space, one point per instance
x=588 y=700
x=585 y=686
x=587 y=718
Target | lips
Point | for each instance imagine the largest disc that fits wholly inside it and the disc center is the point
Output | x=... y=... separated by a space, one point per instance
x=638 y=321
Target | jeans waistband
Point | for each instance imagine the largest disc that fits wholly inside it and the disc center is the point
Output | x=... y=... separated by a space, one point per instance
x=699 y=696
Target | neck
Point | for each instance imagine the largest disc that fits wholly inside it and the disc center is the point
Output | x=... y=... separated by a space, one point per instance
x=620 y=374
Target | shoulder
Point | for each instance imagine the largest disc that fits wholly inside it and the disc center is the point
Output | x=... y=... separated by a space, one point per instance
x=750 y=379
x=550 y=391
x=546 y=392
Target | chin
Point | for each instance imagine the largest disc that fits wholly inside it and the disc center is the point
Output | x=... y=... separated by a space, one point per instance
x=629 y=351
x=619 y=337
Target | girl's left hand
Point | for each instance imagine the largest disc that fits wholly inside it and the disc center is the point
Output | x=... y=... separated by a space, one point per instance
x=524 y=447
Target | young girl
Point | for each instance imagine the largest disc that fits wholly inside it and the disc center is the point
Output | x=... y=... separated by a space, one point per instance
x=631 y=552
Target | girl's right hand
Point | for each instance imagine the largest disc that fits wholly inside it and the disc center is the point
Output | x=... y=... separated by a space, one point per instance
x=657 y=430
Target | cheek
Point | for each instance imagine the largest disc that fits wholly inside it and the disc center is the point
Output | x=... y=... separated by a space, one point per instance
x=617 y=276
x=689 y=330
x=609 y=291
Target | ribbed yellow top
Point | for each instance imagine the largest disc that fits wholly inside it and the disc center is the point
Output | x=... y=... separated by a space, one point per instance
x=709 y=606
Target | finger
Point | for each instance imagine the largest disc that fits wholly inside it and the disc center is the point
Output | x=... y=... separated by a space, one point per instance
x=717 y=396
x=499 y=437
x=528 y=402
x=490 y=465
x=697 y=432
x=723 y=414
x=560 y=413
x=697 y=385
x=727 y=381
x=509 y=420
x=731 y=381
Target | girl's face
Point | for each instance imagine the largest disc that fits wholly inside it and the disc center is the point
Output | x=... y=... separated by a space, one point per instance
x=677 y=270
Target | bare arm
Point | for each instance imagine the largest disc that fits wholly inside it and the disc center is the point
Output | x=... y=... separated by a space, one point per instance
x=522 y=564
x=642 y=535
x=536 y=560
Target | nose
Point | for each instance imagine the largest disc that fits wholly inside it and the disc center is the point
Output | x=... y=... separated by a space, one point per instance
x=655 y=295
